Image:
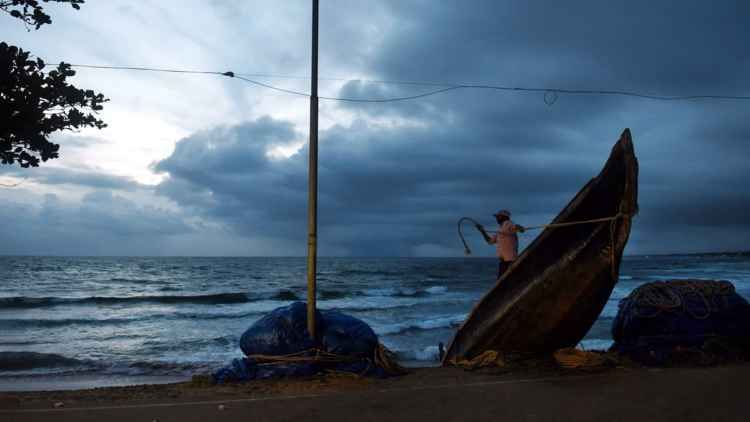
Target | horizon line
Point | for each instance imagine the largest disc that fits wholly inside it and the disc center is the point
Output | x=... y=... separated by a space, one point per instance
x=738 y=252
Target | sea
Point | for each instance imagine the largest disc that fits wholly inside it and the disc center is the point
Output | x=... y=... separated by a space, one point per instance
x=125 y=320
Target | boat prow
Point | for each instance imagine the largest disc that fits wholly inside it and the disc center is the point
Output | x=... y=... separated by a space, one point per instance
x=552 y=294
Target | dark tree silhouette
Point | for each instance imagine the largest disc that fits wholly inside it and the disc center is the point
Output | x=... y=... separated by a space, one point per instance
x=31 y=12
x=34 y=104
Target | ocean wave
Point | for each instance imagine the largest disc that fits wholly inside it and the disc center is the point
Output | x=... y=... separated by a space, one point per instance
x=596 y=344
x=33 y=364
x=22 y=323
x=286 y=295
x=373 y=303
x=134 y=280
x=20 y=302
x=436 y=289
x=62 y=322
x=609 y=312
x=155 y=347
x=406 y=291
x=156 y=368
x=20 y=361
x=428 y=354
x=381 y=302
x=280 y=297
x=369 y=272
x=335 y=294
x=422 y=324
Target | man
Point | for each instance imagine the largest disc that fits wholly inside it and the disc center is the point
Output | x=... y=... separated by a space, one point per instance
x=505 y=240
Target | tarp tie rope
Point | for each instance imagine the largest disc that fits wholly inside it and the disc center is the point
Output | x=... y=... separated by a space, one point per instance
x=382 y=358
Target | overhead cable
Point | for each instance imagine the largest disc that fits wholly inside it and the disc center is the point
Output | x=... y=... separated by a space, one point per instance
x=551 y=94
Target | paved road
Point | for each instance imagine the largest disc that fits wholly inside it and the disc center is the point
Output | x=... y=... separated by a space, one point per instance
x=715 y=394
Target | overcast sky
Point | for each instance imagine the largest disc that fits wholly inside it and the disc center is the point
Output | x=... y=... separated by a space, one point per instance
x=208 y=165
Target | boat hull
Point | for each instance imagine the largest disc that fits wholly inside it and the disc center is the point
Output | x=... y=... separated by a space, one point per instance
x=552 y=294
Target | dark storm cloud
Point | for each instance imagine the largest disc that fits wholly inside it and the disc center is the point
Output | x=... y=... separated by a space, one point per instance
x=665 y=46
x=382 y=191
x=396 y=180
x=692 y=169
x=226 y=172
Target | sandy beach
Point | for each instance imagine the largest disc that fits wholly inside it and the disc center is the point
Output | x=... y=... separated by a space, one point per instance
x=716 y=393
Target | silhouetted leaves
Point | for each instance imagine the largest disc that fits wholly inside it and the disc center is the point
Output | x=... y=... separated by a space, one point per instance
x=31 y=12
x=34 y=104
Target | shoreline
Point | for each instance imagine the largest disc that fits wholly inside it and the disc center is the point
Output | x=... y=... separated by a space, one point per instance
x=11 y=385
x=445 y=393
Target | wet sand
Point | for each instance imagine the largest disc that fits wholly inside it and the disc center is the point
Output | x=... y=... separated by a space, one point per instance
x=716 y=393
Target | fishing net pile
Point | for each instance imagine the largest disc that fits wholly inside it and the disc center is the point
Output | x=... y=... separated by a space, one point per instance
x=661 y=320
x=279 y=345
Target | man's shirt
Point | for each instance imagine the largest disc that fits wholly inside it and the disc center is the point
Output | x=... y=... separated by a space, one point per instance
x=506 y=241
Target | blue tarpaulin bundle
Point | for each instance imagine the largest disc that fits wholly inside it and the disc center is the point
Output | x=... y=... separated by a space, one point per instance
x=279 y=345
x=660 y=317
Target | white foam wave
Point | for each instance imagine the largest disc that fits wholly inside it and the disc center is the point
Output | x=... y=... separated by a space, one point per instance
x=369 y=302
x=436 y=290
x=406 y=291
x=596 y=344
x=421 y=324
x=428 y=354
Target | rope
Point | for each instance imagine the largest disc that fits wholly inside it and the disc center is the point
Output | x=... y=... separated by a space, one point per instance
x=467 y=251
x=382 y=358
x=309 y=355
x=488 y=359
x=386 y=359
x=575 y=223
x=572 y=358
x=550 y=94
x=612 y=229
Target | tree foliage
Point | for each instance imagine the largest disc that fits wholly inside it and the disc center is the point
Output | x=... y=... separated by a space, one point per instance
x=35 y=103
x=31 y=12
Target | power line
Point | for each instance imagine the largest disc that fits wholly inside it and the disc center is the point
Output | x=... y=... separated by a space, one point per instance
x=444 y=87
x=146 y=69
x=265 y=75
x=275 y=88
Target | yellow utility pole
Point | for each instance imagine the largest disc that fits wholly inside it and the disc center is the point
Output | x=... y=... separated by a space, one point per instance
x=312 y=200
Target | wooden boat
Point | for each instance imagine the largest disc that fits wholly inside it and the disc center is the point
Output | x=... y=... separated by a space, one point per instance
x=551 y=295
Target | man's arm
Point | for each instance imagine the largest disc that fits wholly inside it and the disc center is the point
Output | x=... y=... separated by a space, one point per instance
x=487 y=238
x=511 y=227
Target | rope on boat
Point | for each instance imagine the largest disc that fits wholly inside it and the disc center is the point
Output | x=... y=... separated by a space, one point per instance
x=467 y=251
x=575 y=223
x=612 y=228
